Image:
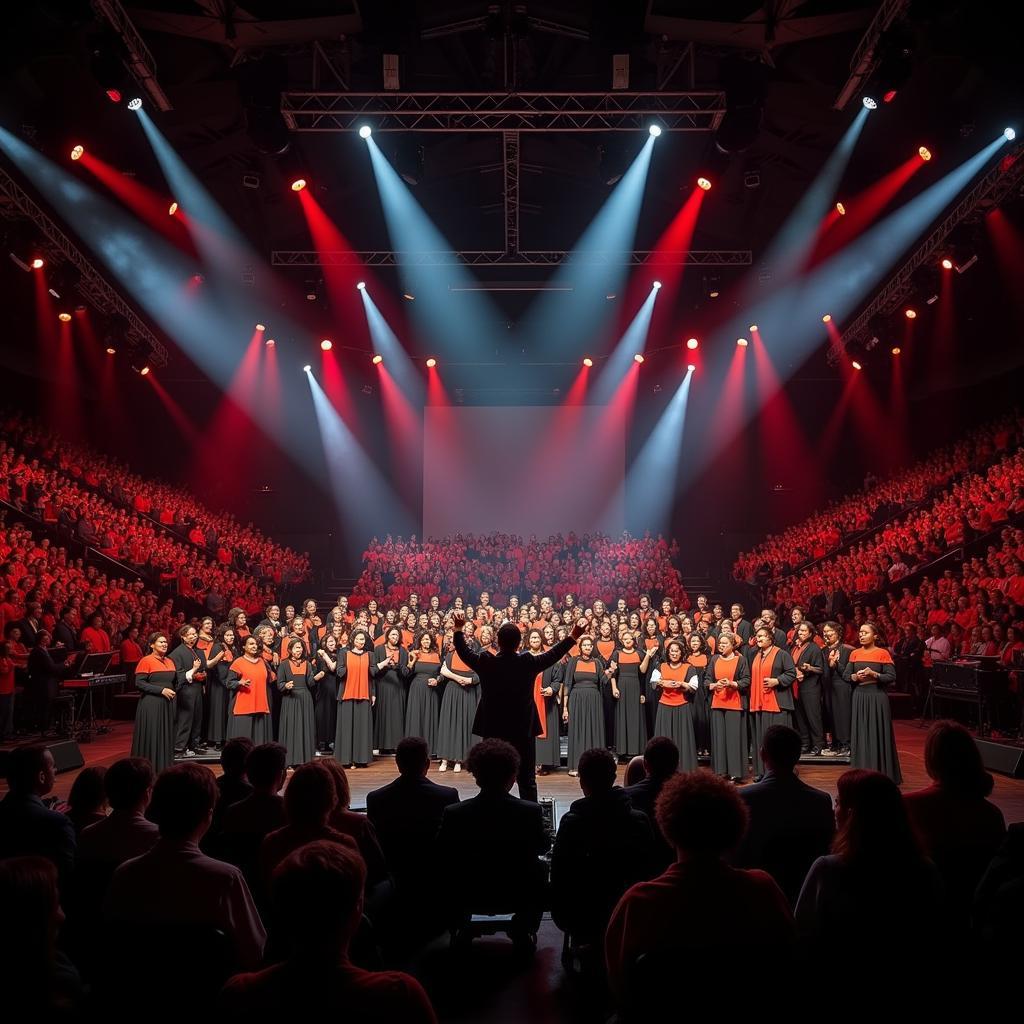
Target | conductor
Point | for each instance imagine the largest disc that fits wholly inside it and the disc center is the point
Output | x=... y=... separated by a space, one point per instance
x=507 y=710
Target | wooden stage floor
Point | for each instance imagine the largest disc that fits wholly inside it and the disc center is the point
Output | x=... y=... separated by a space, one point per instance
x=1008 y=793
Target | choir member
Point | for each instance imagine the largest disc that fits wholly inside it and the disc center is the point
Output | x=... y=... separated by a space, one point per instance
x=486 y=641
x=871 y=672
x=155 y=678
x=249 y=679
x=772 y=675
x=458 y=709
x=238 y=619
x=272 y=658
x=423 y=670
x=326 y=697
x=810 y=666
x=190 y=663
x=296 y=682
x=205 y=644
x=546 y=696
x=389 y=669
x=409 y=630
x=218 y=664
x=677 y=683
x=728 y=679
x=697 y=655
x=353 y=740
x=652 y=639
x=626 y=671
x=583 y=708
x=837 y=656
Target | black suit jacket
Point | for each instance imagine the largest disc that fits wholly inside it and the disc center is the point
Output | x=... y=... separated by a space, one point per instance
x=791 y=825
x=66 y=635
x=506 y=709
x=28 y=828
x=643 y=795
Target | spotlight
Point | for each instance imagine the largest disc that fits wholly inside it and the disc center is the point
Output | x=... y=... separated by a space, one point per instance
x=703 y=183
x=742 y=342
x=367 y=389
x=307 y=368
x=655 y=130
x=588 y=362
x=870 y=103
x=114 y=95
x=145 y=370
x=856 y=365
x=896 y=350
x=198 y=279
x=753 y=328
x=827 y=318
x=408 y=297
x=714 y=294
x=889 y=96
x=64 y=317
x=431 y=363
x=135 y=103
x=656 y=285
x=298 y=184
x=638 y=358
x=172 y=209
x=361 y=285
x=270 y=342
x=261 y=327
x=910 y=314
x=692 y=344
x=365 y=131
x=80 y=308
x=111 y=350
x=924 y=153
x=690 y=367
x=947 y=264
x=76 y=152
x=1009 y=134
x=326 y=344
x=377 y=360
x=840 y=209
x=38 y=263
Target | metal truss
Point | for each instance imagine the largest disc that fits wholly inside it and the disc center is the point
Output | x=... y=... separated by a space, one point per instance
x=1000 y=181
x=864 y=59
x=695 y=111
x=510 y=149
x=139 y=60
x=92 y=285
x=498 y=258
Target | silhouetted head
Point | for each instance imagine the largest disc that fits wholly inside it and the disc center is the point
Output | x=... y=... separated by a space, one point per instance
x=509 y=638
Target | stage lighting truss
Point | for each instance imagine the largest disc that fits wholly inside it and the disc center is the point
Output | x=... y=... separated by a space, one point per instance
x=496 y=257
x=92 y=285
x=137 y=58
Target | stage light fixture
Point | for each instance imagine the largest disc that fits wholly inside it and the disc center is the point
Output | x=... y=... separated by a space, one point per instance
x=408 y=297
x=114 y=95
x=947 y=264
x=910 y=314
x=365 y=131
x=270 y=343
x=656 y=285
x=307 y=368
x=298 y=184
x=1009 y=134
x=431 y=363
x=80 y=308
x=889 y=96
x=870 y=102
x=742 y=342
x=38 y=263
x=378 y=359
x=690 y=367
x=135 y=103
x=588 y=362
x=76 y=152
x=327 y=344
x=172 y=209
x=361 y=285
x=827 y=318
x=856 y=365
x=198 y=279
x=703 y=183
x=144 y=371
x=692 y=344
x=111 y=350
x=261 y=327
x=638 y=358
x=896 y=350
x=924 y=153
x=64 y=317
x=655 y=130
x=753 y=328
x=841 y=209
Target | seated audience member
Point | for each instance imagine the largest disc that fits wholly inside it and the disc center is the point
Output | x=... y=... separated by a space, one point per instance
x=790 y=824
x=660 y=762
x=233 y=783
x=999 y=901
x=358 y=827
x=174 y=883
x=603 y=847
x=317 y=978
x=126 y=832
x=87 y=801
x=959 y=829
x=634 y=772
x=697 y=911
x=407 y=813
x=36 y=977
x=494 y=840
x=248 y=822
x=875 y=882
x=27 y=826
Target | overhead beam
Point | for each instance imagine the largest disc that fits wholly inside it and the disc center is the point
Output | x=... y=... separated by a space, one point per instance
x=497 y=257
x=865 y=58
x=139 y=60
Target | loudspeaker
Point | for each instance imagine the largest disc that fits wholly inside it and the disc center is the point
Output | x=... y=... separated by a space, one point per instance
x=67 y=756
x=1002 y=758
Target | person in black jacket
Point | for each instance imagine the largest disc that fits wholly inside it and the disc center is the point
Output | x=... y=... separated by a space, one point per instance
x=488 y=847
x=45 y=674
x=189 y=661
x=603 y=847
x=507 y=710
x=65 y=632
x=661 y=762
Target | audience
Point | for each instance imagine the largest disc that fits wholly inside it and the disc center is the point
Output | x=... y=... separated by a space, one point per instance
x=317 y=977
x=603 y=846
x=356 y=826
x=790 y=824
x=87 y=801
x=487 y=848
x=958 y=828
x=233 y=783
x=999 y=908
x=660 y=763
x=125 y=832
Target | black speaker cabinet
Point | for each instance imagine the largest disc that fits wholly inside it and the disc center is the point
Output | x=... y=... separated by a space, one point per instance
x=1002 y=758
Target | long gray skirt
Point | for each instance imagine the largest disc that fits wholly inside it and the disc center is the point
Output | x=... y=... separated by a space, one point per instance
x=217 y=702
x=153 y=736
x=549 y=747
x=872 y=744
x=389 y=711
x=455 y=726
x=677 y=724
x=421 y=713
x=630 y=719
x=353 y=741
x=257 y=728
x=297 y=730
x=729 y=743
x=760 y=723
x=586 y=722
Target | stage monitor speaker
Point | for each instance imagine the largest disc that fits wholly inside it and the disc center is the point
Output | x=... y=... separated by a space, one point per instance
x=67 y=756
x=1002 y=758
